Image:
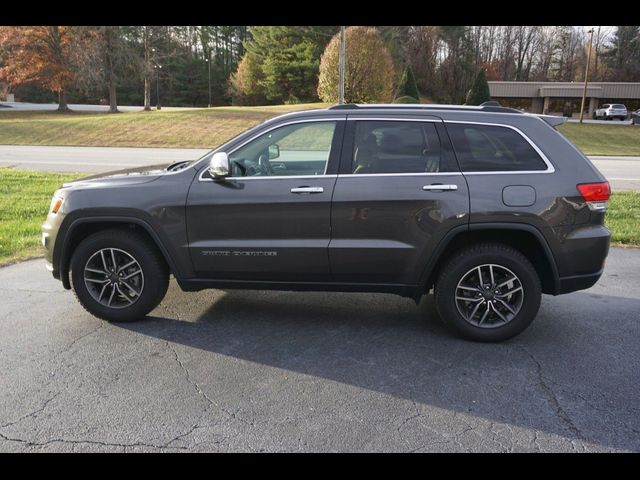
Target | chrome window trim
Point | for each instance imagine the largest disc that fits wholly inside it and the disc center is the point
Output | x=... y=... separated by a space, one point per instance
x=292 y=122
x=412 y=174
x=269 y=177
x=550 y=167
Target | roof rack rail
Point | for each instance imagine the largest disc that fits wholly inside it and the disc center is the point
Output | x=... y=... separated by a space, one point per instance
x=485 y=107
x=344 y=106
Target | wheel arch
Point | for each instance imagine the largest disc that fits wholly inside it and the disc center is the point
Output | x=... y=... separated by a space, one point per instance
x=525 y=238
x=81 y=228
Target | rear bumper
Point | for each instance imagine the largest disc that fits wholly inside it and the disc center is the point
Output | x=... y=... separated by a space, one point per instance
x=577 y=282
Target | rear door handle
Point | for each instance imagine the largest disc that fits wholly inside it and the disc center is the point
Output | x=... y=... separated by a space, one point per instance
x=307 y=190
x=440 y=186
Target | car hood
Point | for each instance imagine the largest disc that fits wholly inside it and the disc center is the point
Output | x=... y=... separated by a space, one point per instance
x=129 y=176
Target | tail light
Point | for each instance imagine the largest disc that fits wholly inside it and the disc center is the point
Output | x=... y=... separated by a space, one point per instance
x=595 y=194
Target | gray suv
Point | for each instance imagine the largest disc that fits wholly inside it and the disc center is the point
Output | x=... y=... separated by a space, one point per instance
x=488 y=206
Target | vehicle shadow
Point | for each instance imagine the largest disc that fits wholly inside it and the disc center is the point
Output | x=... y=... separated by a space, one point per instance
x=569 y=374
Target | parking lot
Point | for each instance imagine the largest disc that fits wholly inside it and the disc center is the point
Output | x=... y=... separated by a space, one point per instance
x=278 y=371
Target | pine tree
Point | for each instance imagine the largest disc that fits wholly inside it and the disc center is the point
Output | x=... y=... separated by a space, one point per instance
x=407 y=91
x=479 y=92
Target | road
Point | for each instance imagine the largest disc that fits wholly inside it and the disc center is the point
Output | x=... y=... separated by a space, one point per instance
x=278 y=371
x=622 y=172
x=78 y=107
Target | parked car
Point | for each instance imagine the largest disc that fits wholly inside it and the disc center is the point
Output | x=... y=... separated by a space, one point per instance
x=487 y=207
x=635 y=117
x=610 y=111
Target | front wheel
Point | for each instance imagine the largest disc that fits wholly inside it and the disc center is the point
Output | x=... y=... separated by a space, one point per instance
x=489 y=292
x=118 y=275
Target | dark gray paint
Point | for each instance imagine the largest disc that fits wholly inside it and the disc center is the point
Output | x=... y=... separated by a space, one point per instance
x=319 y=243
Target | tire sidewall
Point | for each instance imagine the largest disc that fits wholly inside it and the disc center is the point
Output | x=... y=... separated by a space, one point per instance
x=460 y=266
x=145 y=258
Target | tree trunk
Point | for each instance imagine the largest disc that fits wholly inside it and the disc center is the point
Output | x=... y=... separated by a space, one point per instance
x=62 y=101
x=147 y=93
x=113 y=101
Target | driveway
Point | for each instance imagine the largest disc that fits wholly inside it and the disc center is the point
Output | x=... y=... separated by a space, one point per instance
x=276 y=371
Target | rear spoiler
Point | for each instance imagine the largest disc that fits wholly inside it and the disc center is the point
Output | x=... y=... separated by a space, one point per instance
x=553 y=120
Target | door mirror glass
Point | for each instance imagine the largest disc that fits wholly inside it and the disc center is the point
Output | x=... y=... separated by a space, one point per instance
x=274 y=151
x=219 y=165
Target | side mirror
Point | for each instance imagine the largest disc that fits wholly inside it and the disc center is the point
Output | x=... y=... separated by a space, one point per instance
x=274 y=151
x=219 y=165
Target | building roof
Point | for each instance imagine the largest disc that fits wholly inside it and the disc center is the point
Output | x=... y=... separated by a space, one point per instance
x=499 y=89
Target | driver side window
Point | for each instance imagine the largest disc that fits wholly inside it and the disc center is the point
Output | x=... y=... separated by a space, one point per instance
x=296 y=149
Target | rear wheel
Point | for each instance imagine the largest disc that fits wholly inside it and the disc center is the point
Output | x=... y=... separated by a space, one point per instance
x=118 y=275
x=489 y=292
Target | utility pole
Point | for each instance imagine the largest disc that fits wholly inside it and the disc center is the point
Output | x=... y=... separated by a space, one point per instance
x=586 y=75
x=208 y=60
x=342 y=61
x=158 y=68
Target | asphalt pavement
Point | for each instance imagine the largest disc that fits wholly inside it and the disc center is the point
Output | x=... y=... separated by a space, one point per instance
x=622 y=172
x=281 y=371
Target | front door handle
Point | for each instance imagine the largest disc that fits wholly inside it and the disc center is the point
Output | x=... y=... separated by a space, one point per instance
x=440 y=186
x=307 y=190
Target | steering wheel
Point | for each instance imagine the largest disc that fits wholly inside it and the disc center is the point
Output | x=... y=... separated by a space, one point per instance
x=264 y=163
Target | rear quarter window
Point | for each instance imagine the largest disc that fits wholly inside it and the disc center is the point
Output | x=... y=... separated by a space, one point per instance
x=491 y=148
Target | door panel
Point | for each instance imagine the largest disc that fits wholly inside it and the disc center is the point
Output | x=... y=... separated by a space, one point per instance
x=385 y=225
x=267 y=221
x=257 y=229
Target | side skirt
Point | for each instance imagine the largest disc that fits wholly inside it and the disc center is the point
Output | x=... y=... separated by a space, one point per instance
x=410 y=291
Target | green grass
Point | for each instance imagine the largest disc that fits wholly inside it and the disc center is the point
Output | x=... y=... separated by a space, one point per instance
x=198 y=128
x=597 y=139
x=623 y=218
x=24 y=201
x=25 y=197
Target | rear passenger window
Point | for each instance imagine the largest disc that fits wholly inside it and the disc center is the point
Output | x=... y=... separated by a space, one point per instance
x=489 y=148
x=397 y=147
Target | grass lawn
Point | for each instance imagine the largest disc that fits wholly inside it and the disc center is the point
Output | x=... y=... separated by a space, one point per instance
x=209 y=127
x=25 y=196
x=597 y=139
x=24 y=201
x=198 y=128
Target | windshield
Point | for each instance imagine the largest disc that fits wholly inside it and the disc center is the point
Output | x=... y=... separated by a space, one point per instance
x=619 y=106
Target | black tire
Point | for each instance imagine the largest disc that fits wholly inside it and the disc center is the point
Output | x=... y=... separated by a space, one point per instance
x=466 y=260
x=153 y=266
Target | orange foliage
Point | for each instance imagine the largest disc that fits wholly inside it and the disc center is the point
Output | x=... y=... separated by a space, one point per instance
x=45 y=55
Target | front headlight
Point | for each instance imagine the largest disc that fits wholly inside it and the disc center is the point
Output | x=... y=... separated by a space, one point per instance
x=56 y=203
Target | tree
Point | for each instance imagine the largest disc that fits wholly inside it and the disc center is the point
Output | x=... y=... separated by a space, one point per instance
x=106 y=58
x=479 y=92
x=623 y=57
x=368 y=68
x=43 y=55
x=289 y=58
x=246 y=83
x=407 y=86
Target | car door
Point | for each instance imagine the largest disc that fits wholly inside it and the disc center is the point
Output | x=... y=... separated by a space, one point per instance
x=270 y=219
x=398 y=192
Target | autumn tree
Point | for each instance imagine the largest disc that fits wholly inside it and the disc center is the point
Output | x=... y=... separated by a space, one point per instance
x=369 y=69
x=106 y=58
x=43 y=55
x=246 y=83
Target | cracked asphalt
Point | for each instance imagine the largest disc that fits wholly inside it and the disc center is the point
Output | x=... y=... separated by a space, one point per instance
x=281 y=371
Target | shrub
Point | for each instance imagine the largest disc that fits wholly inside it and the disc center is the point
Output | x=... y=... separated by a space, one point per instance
x=407 y=86
x=479 y=92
